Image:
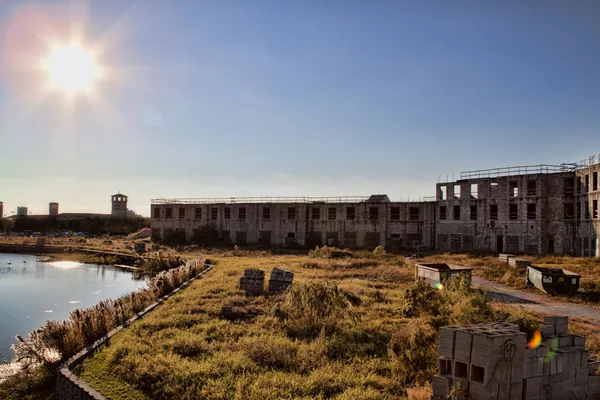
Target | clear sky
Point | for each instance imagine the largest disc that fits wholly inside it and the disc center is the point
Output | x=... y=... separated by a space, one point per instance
x=207 y=98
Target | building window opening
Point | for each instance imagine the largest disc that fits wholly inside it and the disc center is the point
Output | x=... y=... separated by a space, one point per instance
x=316 y=213
x=513 y=211
x=414 y=213
x=456 y=191
x=443 y=193
x=156 y=213
x=395 y=214
x=242 y=213
x=214 y=213
x=291 y=213
x=474 y=191
x=168 y=213
x=198 y=213
x=494 y=211
x=513 y=190
x=442 y=212
x=473 y=212
x=531 y=211
x=531 y=188
x=181 y=213
x=373 y=212
x=331 y=213
x=456 y=212
x=266 y=213
x=350 y=213
x=227 y=212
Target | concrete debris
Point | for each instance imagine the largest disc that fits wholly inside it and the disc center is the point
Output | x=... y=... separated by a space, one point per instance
x=280 y=280
x=253 y=282
x=493 y=361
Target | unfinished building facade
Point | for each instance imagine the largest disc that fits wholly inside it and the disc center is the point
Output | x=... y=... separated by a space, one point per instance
x=542 y=209
x=354 y=222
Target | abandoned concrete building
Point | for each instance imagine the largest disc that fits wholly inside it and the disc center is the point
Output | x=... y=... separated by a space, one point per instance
x=542 y=209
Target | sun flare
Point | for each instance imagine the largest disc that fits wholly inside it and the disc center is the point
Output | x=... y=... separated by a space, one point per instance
x=72 y=69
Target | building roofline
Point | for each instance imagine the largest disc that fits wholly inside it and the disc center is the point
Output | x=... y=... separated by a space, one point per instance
x=281 y=199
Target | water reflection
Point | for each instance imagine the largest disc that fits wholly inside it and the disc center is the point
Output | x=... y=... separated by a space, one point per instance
x=31 y=292
x=40 y=271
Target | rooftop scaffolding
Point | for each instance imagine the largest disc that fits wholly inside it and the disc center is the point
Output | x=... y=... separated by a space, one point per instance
x=518 y=170
x=283 y=199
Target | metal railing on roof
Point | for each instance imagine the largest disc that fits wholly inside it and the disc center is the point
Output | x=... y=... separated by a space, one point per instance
x=258 y=200
x=588 y=162
x=518 y=170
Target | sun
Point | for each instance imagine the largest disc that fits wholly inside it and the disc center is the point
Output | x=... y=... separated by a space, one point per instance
x=72 y=69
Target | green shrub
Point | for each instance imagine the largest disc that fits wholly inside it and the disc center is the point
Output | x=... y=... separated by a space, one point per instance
x=329 y=252
x=414 y=351
x=379 y=251
x=306 y=309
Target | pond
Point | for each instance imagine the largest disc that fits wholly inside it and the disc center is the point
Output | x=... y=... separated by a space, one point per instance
x=32 y=292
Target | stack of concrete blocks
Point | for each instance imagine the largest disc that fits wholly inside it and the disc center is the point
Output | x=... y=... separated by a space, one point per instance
x=518 y=263
x=505 y=257
x=513 y=261
x=280 y=280
x=491 y=361
x=253 y=282
x=560 y=368
x=483 y=360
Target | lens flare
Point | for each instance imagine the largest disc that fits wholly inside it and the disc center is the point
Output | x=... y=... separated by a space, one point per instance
x=535 y=341
x=439 y=286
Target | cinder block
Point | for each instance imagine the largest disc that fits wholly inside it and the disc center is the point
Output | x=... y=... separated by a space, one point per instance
x=491 y=339
x=581 y=377
x=516 y=390
x=580 y=392
x=464 y=356
x=446 y=342
x=448 y=332
x=548 y=330
x=480 y=374
x=530 y=353
x=561 y=329
x=501 y=372
x=517 y=372
x=556 y=320
x=445 y=366
x=465 y=335
x=542 y=350
x=484 y=361
x=441 y=385
x=477 y=390
x=565 y=340
x=578 y=341
x=532 y=386
x=447 y=352
x=460 y=370
x=560 y=362
x=462 y=345
x=552 y=364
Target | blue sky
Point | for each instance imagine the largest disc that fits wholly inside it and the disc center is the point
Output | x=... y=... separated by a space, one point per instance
x=295 y=98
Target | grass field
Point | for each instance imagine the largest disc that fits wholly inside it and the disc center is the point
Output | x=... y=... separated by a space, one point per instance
x=351 y=328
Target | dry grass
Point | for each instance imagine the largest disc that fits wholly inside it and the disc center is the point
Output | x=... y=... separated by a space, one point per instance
x=349 y=328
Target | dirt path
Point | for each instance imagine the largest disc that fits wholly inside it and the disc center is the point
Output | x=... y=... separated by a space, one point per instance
x=538 y=303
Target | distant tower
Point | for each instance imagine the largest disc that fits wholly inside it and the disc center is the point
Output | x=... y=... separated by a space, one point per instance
x=21 y=211
x=119 y=205
x=1 y=210
x=53 y=209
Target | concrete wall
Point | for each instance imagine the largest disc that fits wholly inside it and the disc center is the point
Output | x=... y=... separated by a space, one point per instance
x=537 y=213
x=315 y=223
